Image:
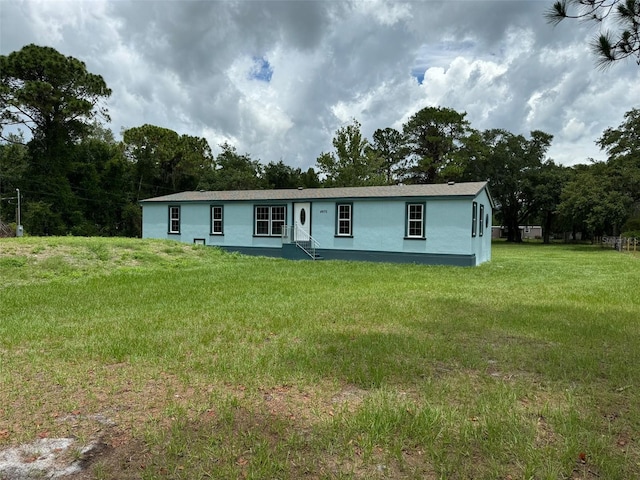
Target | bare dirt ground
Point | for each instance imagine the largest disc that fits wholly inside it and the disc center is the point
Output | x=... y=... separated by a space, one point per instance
x=41 y=436
x=103 y=435
x=73 y=457
x=48 y=458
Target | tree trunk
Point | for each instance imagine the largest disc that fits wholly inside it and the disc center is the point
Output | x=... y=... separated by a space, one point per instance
x=513 y=233
x=513 y=227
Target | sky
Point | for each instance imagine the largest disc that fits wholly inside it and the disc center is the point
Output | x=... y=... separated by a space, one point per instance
x=276 y=79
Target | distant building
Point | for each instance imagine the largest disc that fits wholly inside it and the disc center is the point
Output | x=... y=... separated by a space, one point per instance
x=526 y=231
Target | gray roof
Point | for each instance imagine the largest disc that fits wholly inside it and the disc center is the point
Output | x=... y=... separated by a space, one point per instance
x=467 y=189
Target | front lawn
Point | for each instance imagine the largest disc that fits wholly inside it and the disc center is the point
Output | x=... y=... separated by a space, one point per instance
x=186 y=362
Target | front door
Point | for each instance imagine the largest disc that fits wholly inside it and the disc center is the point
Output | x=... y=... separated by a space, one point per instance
x=302 y=221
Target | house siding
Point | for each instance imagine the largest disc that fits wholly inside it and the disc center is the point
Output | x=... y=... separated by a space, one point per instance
x=378 y=227
x=481 y=245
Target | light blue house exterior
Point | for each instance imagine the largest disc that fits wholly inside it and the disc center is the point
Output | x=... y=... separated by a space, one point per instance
x=447 y=224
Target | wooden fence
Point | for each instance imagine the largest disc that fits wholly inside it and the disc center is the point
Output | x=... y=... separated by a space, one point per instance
x=6 y=231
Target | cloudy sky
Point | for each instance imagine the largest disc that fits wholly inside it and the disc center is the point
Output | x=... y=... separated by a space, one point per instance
x=277 y=78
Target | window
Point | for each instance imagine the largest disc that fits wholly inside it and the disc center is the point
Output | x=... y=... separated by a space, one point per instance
x=174 y=219
x=474 y=219
x=269 y=220
x=344 y=219
x=415 y=220
x=216 y=220
x=480 y=220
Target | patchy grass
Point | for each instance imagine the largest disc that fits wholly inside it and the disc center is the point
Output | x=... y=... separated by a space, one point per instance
x=191 y=363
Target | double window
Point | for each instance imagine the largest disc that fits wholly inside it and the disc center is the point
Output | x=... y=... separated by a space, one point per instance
x=344 y=220
x=174 y=219
x=415 y=220
x=216 y=220
x=269 y=220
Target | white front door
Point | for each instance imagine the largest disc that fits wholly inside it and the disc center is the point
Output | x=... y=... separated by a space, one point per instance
x=302 y=221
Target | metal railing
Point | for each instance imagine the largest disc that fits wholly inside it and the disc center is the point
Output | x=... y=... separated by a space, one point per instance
x=304 y=241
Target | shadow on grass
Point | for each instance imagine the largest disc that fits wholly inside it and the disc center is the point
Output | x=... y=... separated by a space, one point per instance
x=368 y=360
x=567 y=344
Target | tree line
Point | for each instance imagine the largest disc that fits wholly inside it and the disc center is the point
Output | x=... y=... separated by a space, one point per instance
x=77 y=179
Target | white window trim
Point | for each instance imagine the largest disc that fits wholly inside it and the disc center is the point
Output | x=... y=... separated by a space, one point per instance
x=349 y=219
x=173 y=208
x=269 y=220
x=214 y=220
x=410 y=220
x=474 y=219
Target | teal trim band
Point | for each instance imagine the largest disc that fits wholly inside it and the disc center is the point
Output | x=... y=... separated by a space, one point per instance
x=292 y=252
x=400 y=257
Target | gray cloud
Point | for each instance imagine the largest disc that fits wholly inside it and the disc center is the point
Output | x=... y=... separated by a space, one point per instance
x=186 y=65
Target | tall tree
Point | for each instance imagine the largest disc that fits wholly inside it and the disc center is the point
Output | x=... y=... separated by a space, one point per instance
x=608 y=46
x=592 y=203
x=234 y=172
x=310 y=178
x=603 y=196
x=512 y=164
x=103 y=182
x=473 y=164
x=278 y=175
x=56 y=98
x=623 y=141
x=390 y=147
x=49 y=93
x=435 y=137
x=622 y=145
x=547 y=194
x=353 y=163
x=166 y=162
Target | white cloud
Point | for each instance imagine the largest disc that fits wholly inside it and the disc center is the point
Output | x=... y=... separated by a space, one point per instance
x=187 y=66
x=385 y=12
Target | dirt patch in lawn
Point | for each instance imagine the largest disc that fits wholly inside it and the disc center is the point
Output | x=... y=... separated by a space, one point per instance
x=48 y=458
x=93 y=418
x=116 y=407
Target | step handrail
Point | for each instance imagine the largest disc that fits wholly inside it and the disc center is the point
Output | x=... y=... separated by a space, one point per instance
x=304 y=241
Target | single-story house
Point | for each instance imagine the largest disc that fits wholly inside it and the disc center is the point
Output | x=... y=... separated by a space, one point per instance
x=446 y=224
x=526 y=232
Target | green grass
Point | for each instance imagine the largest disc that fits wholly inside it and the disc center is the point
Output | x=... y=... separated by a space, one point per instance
x=225 y=366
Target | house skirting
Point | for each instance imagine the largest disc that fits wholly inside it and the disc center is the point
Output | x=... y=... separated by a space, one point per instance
x=291 y=252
